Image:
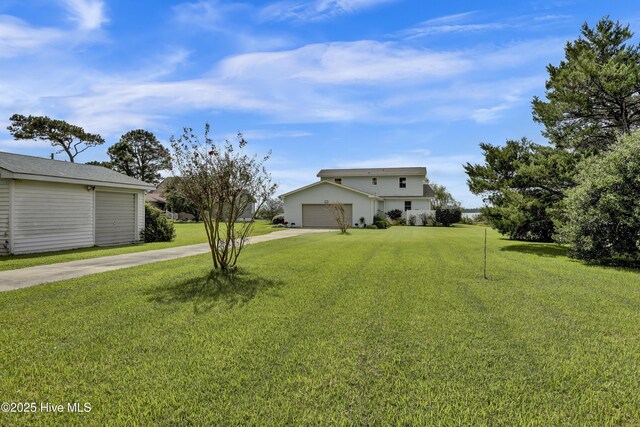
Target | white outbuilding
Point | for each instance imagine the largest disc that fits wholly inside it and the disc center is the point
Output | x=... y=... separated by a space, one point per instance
x=50 y=205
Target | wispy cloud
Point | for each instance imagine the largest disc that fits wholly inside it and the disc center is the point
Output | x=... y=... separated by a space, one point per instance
x=88 y=14
x=457 y=23
x=360 y=62
x=347 y=82
x=315 y=10
x=208 y=14
x=19 y=38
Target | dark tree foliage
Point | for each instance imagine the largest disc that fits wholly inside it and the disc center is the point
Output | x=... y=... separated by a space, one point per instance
x=71 y=139
x=139 y=154
x=394 y=214
x=107 y=165
x=177 y=202
x=448 y=215
x=594 y=94
x=157 y=227
x=521 y=184
x=271 y=208
x=603 y=210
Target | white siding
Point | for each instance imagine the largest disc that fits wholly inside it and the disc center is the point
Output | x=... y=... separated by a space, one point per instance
x=51 y=216
x=139 y=213
x=362 y=205
x=416 y=204
x=387 y=185
x=4 y=216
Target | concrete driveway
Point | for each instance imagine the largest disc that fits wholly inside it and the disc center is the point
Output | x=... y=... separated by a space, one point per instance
x=30 y=276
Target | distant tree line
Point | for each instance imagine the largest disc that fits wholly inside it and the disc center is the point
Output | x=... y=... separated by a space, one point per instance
x=581 y=188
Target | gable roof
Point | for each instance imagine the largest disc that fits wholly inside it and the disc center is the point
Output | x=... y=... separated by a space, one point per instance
x=40 y=169
x=324 y=173
x=427 y=191
x=331 y=183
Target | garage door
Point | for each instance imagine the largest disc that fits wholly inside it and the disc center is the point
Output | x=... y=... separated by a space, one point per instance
x=115 y=218
x=322 y=216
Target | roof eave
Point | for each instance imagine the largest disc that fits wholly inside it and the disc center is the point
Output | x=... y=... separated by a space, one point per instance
x=46 y=178
x=371 y=196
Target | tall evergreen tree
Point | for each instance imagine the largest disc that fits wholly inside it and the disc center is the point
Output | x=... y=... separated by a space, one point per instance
x=591 y=97
x=594 y=94
x=139 y=154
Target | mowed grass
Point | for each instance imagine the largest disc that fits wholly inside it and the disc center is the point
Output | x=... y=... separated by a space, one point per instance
x=377 y=327
x=186 y=234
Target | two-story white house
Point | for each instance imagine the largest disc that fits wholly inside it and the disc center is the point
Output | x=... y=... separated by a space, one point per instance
x=362 y=192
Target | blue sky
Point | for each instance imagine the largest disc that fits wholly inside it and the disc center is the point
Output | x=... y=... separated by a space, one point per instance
x=321 y=83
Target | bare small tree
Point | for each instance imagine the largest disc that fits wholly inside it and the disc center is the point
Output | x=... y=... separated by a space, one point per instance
x=222 y=182
x=340 y=215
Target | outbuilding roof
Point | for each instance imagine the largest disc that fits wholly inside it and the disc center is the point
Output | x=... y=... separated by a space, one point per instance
x=330 y=173
x=364 y=193
x=40 y=169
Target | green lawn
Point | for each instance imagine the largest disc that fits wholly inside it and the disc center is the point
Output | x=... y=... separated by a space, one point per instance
x=186 y=234
x=378 y=327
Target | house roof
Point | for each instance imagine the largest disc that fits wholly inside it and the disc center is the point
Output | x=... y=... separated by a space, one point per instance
x=324 y=173
x=331 y=183
x=40 y=169
x=427 y=191
x=157 y=195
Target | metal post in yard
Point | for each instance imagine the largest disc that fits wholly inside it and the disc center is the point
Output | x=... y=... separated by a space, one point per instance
x=485 y=254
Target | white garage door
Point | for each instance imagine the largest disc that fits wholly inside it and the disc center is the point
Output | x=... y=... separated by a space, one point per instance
x=322 y=216
x=51 y=217
x=115 y=218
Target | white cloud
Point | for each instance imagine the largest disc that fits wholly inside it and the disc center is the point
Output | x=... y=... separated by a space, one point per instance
x=449 y=24
x=315 y=10
x=88 y=14
x=18 y=38
x=211 y=15
x=356 y=62
x=362 y=81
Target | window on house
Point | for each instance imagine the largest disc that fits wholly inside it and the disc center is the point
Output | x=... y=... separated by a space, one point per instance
x=402 y=182
x=407 y=205
x=374 y=181
x=338 y=180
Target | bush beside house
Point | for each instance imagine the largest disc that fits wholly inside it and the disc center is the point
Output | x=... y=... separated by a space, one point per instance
x=158 y=228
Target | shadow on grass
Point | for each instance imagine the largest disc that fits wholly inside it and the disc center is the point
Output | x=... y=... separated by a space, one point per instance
x=216 y=288
x=540 y=249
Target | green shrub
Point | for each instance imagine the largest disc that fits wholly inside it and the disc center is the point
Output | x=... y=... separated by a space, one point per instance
x=427 y=219
x=412 y=220
x=278 y=219
x=602 y=214
x=157 y=227
x=401 y=221
x=394 y=214
x=381 y=224
x=448 y=216
x=371 y=227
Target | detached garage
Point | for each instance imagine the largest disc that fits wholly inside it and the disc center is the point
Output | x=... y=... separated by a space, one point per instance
x=50 y=205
